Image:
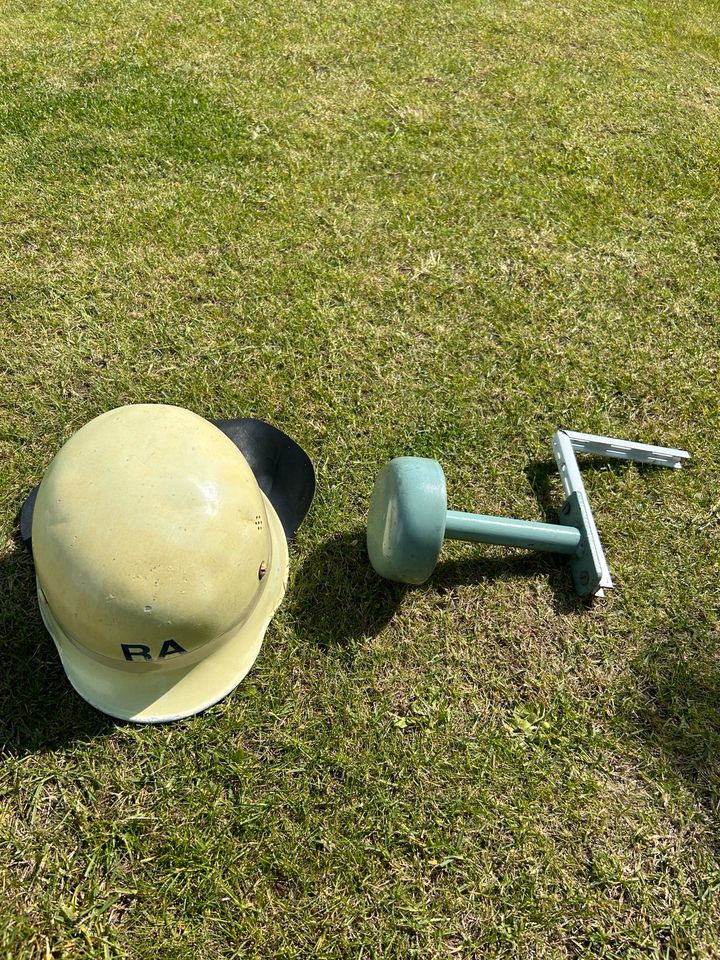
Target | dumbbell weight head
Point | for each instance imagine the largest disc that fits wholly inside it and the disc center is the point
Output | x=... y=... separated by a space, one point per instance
x=406 y=519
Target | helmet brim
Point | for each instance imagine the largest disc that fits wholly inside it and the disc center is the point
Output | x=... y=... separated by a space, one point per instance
x=284 y=473
x=171 y=693
x=283 y=470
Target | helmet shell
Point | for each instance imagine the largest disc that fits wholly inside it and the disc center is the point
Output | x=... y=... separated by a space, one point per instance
x=154 y=549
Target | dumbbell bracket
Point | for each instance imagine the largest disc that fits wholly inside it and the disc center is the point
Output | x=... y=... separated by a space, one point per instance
x=408 y=519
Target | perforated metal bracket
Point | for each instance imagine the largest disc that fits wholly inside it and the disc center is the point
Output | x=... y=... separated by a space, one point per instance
x=589 y=567
x=573 y=484
x=626 y=450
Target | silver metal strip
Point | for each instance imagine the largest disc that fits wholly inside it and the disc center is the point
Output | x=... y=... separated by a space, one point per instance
x=626 y=449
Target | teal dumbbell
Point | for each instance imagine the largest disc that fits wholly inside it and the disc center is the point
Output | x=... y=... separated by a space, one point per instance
x=408 y=520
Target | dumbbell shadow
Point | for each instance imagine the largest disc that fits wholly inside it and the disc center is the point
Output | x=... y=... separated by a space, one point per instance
x=337 y=598
x=477 y=567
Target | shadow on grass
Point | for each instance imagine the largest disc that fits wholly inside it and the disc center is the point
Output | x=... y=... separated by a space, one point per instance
x=39 y=710
x=673 y=704
x=338 y=599
x=514 y=566
x=672 y=700
x=544 y=480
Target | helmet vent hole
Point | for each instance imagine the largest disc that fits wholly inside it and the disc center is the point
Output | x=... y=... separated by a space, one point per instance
x=262 y=571
x=258 y=522
x=148 y=608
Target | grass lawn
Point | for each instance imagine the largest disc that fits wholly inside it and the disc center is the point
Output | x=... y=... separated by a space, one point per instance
x=395 y=226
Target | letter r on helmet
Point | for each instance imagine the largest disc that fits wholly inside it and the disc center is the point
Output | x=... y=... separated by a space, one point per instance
x=134 y=650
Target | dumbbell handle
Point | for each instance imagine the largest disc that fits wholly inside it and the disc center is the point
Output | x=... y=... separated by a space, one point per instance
x=511 y=533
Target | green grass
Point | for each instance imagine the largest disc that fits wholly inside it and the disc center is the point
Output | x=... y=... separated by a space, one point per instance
x=387 y=227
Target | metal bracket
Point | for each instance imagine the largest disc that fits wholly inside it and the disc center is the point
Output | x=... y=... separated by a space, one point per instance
x=626 y=450
x=589 y=568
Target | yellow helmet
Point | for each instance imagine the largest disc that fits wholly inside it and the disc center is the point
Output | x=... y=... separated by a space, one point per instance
x=159 y=562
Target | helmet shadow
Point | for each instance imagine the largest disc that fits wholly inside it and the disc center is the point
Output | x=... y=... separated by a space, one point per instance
x=39 y=710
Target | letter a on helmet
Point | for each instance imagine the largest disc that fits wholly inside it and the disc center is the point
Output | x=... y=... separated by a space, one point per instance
x=159 y=542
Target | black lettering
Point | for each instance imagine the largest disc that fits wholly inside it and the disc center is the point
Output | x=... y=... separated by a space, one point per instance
x=170 y=647
x=132 y=650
